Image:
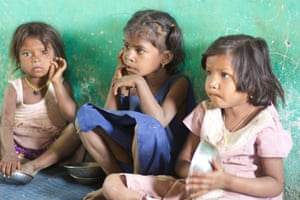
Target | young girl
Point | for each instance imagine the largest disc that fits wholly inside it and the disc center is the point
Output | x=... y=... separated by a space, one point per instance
x=141 y=130
x=239 y=119
x=37 y=106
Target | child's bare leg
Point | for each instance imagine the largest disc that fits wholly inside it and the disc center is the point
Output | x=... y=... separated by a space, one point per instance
x=104 y=150
x=115 y=187
x=65 y=144
x=135 y=155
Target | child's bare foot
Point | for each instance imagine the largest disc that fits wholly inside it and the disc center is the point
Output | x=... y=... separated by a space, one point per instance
x=28 y=168
x=95 y=195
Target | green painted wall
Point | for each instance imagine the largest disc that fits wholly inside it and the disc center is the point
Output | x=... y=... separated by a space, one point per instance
x=92 y=32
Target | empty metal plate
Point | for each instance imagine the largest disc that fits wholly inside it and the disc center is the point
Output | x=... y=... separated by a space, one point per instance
x=17 y=178
x=202 y=158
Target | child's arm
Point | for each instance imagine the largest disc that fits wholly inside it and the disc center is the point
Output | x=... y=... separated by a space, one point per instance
x=184 y=159
x=173 y=102
x=171 y=105
x=9 y=160
x=268 y=185
x=63 y=91
x=112 y=99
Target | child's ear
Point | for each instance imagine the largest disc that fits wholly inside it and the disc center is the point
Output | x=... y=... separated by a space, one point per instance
x=167 y=57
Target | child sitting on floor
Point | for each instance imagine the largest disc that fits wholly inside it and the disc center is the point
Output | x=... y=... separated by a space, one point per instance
x=239 y=119
x=37 y=106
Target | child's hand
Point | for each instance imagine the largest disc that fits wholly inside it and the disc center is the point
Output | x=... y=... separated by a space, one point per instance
x=9 y=164
x=121 y=68
x=124 y=84
x=119 y=73
x=198 y=183
x=57 y=68
x=120 y=57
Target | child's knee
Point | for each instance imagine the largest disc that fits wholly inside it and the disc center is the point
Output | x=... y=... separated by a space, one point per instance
x=111 y=181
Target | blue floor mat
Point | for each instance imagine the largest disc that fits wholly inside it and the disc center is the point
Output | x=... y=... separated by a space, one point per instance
x=52 y=183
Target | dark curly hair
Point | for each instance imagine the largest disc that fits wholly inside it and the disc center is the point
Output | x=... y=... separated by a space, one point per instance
x=162 y=31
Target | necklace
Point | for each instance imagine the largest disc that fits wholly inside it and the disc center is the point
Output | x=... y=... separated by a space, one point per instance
x=224 y=140
x=36 y=91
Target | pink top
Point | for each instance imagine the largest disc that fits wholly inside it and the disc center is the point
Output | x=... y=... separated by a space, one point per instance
x=36 y=125
x=240 y=154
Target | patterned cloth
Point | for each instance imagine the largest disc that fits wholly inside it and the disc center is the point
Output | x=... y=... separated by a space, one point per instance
x=30 y=154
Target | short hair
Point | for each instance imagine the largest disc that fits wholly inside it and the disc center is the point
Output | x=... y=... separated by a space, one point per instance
x=251 y=62
x=39 y=30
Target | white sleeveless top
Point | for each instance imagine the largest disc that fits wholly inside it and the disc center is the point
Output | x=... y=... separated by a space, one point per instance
x=36 y=125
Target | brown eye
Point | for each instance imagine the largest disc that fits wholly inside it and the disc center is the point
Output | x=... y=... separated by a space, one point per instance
x=208 y=72
x=126 y=46
x=44 y=52
x=225 y=75
x=140 y=51
x=26 y=54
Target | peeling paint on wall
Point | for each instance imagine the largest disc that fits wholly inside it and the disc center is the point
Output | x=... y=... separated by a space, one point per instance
x=92 y=32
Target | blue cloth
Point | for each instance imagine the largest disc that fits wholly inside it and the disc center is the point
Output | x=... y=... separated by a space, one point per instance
x=53 y=183
x=158 y=147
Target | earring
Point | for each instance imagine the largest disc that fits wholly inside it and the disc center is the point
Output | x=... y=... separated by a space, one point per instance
x=162 y=65
x=250 y=98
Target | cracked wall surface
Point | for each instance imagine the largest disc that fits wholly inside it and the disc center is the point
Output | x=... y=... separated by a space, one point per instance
x=92 y=33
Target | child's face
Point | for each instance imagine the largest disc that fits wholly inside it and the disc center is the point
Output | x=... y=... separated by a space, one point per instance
x=34 y=58
x=140 y=56
x=220 y=83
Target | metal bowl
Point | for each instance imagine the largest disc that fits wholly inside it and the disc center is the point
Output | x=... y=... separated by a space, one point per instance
x=85 y=169
x=17 y=178
x=203 y=155
x=87 y=181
